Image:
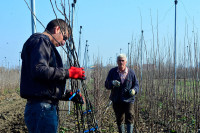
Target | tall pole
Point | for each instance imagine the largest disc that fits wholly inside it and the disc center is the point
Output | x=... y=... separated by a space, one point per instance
x=188 y=62
x=141 y=59
x=128 y=55
x=175 y=58
x=19 y=61
x=197 y=60
x=79 y=47
x=85 y=56
x=116 y=58
x=73 y=8
x=33 y=19
x=19 y=67
x=5 y=62
x=70 y=44
x=72 y=20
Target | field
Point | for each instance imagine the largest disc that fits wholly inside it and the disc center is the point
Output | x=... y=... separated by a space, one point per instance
x=11 y=114
x=157 y=109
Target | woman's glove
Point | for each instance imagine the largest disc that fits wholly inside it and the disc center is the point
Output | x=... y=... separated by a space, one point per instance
x=132 y=92
x=76 y=73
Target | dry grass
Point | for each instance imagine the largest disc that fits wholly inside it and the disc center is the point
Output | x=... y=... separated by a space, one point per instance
x=9 y=80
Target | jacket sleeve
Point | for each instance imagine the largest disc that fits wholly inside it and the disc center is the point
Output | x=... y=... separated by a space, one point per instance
x=135 y=83
x=40 y=57
x=108 y=82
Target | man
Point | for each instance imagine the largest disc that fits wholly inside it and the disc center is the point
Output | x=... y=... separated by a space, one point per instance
x=124 y=86
x=43 y=77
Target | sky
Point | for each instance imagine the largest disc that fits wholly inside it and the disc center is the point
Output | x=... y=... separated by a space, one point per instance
x=108 y=25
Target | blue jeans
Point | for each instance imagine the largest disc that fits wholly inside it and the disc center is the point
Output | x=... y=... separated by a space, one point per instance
x=41 y=117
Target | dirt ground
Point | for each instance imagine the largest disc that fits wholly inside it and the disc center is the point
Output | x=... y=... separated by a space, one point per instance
x=12 y=114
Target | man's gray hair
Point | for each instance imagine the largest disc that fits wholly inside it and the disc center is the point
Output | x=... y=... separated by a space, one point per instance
x=121 y=56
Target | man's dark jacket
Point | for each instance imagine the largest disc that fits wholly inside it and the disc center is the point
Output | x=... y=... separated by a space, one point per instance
x=121 y=94
x=42 y=73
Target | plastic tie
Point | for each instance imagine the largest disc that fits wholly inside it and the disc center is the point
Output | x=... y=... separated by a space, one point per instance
x=73 y=95
x=92 y=129
x=87 y=111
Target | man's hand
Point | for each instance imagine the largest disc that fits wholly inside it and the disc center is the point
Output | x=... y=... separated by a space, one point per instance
x=132 y=92
x=116 y=83
x=75 y=97
x=76 y=73
x=78 y=98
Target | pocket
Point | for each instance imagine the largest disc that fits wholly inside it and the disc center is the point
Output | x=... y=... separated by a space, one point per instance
x=48 y=110
x=45 y=106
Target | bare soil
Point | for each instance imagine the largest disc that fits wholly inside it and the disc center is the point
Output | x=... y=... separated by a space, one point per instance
x=12 y=114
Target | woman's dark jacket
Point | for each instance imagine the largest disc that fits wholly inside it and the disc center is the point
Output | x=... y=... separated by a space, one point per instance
x=121 y=94
x=42 y=73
